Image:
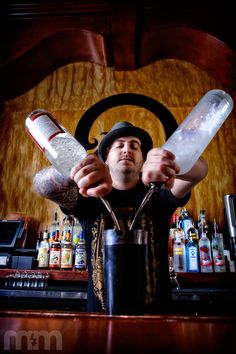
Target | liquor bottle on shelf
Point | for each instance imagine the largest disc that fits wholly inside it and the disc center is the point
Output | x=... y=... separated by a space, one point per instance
x=66 y=226
x=192 y=257
x=205 y=254
x=217 y=245
x=193 y=233
x=186 y=221
x=55 y=253
x=43 y=253
x=202 y=224
x=39 y=239
x=80 y=254
x=54 y=227
x=179 y=255
x=76 y=232
x=67 y=252
x=171 y=240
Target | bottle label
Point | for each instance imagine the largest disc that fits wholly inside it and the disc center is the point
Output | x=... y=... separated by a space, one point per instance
x=205 y=256
x=186 y=225
x=77 y=236
x=66 y=258
x=179 y=259
x=80 y=258
x=55 y=260
x=192 y=258
x=43 y=128
x=43 y=257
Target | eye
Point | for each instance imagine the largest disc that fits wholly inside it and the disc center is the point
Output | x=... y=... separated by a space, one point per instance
x=135 y=146
x=118 y=145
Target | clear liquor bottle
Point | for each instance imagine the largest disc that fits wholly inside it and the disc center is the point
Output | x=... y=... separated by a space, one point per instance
x=202 y=224
x=205 y=254
x=43 y=253
x=199 y=128
x=217 y=245
x=179 y=254
x=58 y=145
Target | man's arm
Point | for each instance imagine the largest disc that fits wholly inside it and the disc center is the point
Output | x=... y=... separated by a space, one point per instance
x=160 y=166
x=89 y=177
x=50 y=184
x=183 y=184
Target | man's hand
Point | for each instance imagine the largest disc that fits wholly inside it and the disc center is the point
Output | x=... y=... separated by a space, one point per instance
x=92 y=177
x=160 y=166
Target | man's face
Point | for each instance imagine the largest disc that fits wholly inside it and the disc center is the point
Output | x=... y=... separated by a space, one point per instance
x=125 y=156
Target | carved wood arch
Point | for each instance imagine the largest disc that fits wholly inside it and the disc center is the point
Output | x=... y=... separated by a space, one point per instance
x=158 y=109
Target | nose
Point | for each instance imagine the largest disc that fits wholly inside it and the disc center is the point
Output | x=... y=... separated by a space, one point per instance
x=126 y=148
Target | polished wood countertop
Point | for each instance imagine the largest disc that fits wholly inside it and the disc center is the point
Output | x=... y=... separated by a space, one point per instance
x=74 y=332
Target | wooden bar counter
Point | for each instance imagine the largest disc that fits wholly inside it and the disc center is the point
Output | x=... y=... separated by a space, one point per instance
x=67 y=332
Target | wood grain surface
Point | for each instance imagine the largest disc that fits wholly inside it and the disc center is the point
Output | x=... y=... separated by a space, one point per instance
x=71 y=90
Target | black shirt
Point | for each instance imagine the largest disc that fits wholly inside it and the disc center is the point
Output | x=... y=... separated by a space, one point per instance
x=155 y=218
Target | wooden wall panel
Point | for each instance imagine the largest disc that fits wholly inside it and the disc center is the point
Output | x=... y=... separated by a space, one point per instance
x=71 y=90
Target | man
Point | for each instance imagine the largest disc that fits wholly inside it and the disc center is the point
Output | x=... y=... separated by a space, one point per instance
x=126 y=166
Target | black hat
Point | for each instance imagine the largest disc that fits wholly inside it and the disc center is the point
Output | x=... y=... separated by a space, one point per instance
x=122 y=129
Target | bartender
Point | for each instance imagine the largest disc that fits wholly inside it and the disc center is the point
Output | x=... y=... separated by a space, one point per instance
x=122 y=172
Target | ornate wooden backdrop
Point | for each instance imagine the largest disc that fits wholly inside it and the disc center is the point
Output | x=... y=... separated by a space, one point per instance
x=70 y=90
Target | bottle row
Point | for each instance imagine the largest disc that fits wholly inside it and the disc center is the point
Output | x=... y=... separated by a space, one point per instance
x=196 y=249
x=62 y=247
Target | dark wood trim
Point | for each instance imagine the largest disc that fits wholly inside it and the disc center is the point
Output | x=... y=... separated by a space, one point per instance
x=39 y=37
x=65 y=275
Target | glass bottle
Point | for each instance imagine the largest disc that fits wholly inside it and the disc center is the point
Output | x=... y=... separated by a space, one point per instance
x=55 y=253
x=66 y=226
x=179 y=255
x=186 y=221
x=217 y=245
x=58 y=145
x=80 y=254
x=43 y=253
x=193 y=233
x=54 y=227
x=67 y=252
x=202 y=224
x=39 y=239
x=199 y=128
x=76 y=232
x=205 y=254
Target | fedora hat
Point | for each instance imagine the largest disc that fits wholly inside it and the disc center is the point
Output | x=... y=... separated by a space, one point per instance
x=122 y=129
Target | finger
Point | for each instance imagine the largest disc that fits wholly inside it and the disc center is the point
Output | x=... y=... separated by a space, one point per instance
x=99 y=190
x=161 y=153
x=85 y=181
x=90 y=160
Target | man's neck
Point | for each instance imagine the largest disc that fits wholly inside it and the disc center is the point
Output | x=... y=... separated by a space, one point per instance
x=125 y=183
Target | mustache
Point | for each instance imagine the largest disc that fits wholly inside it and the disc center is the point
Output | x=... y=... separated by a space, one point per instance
x=124 y=158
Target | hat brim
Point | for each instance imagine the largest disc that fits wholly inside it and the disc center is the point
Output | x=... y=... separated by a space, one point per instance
x=109 y=138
